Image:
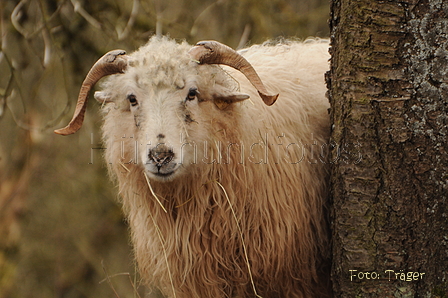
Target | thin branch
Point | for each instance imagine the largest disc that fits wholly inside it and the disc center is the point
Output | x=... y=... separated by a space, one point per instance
x=16 y=15
x=159 y=24
x=194 y=28
x=4 y=92
x=9 y=90
x=135 y=9
x=108 y=279
x=159 y=17
x=47 y=50
x=79 y=9
x=245 y=36
x=2 y=31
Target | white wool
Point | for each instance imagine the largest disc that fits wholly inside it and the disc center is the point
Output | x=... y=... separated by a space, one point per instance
x=245 y=209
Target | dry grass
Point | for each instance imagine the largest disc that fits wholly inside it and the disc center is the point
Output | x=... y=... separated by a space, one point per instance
x=153 y=193
x=242 y=239
x=109 y=281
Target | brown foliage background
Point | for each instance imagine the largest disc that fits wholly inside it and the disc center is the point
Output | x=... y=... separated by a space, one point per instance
x=62 y=233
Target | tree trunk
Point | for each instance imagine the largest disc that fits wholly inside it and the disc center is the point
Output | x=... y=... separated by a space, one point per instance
x=388 y=87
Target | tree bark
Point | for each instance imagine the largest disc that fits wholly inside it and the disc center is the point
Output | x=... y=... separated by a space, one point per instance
x=388 y=87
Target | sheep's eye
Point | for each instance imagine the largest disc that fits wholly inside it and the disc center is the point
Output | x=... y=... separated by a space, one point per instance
x=132 y=100
x=192 y=93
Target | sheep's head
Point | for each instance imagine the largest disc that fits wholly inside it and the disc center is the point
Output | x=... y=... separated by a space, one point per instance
x=164 y=100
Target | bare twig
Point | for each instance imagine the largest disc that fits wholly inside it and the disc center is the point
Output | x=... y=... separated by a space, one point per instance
x=135 y=9
x=245 y=36
x=16 y=15
x=79 y=9
x=4 y=92
x=194 y=28
x=159 y=17
x=3 y=32
x=112 y=276
x=159 y=24
x=133 y=283
x=10 y=91
x=47 y=51
x=108 y=279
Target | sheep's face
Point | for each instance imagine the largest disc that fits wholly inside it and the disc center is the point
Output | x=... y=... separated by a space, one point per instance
x=160 y=115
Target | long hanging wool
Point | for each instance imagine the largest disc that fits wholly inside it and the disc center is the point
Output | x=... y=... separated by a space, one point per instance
x=244 y=214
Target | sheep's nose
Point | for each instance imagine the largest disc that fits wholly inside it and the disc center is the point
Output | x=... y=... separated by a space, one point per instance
x=160 y=155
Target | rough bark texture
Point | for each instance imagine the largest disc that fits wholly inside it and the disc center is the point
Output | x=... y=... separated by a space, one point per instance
x=389 y=93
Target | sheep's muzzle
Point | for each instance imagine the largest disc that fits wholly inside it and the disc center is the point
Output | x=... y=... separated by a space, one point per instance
x=160 y=161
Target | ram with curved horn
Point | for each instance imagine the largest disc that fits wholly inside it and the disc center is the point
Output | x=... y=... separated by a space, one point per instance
x=225 y=194
x=205 y=52
x=111 y=63
x=212 y=52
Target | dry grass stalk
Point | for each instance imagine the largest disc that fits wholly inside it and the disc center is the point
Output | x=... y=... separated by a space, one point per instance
x=153 y=193
x=162 y=241
x=242 y=239
x=108 y=280
x=124 y=167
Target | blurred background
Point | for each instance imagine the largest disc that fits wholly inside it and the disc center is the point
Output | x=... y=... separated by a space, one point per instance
x=62 y=233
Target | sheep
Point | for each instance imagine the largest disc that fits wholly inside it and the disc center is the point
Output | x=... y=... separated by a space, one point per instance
x=225 y=194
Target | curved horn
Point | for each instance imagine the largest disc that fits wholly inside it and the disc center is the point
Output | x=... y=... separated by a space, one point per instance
x=213 y=52
x=111 y=63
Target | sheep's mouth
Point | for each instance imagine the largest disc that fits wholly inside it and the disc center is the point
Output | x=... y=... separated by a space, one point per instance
x=165 y=173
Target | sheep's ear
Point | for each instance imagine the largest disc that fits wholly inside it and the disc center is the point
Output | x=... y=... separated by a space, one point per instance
x=223 y=97
x=102 y=97
x=223 y=102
